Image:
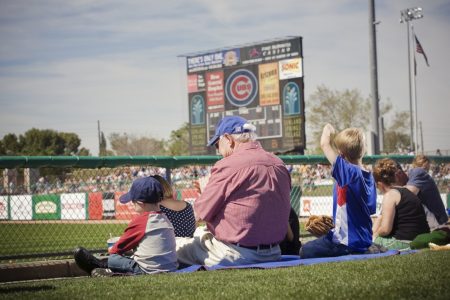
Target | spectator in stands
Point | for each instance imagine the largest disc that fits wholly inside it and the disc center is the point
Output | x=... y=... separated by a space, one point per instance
x=245 y=204
x=422 y=184
x=354 y=197
x=180 y=213
x=150 y=237
x=402 y=215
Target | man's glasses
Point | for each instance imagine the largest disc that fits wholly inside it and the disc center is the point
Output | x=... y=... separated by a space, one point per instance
x=217 y=143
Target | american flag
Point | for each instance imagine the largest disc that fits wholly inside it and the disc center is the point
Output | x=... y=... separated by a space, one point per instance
x=420 y=50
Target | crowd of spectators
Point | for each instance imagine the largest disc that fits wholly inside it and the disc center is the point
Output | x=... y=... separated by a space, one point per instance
x=118 y=179
x=308 y=177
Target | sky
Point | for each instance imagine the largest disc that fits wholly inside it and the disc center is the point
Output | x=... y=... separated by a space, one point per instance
x=64 y=65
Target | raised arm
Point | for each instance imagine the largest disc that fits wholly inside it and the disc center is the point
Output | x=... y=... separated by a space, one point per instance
x=325 y=143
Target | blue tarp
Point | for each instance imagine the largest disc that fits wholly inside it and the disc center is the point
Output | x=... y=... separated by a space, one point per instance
x=294 y=260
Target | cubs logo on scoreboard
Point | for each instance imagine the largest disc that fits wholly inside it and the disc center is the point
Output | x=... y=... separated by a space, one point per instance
x=241 y=88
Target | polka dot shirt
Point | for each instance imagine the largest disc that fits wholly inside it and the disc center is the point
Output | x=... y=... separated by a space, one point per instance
x=183 y=221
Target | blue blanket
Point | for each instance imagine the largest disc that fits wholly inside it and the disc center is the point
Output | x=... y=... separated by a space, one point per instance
x=293 y=260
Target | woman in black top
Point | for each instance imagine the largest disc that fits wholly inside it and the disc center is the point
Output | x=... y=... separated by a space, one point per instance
x=402 y=215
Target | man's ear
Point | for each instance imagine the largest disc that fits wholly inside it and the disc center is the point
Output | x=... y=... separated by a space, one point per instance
x=231 y=140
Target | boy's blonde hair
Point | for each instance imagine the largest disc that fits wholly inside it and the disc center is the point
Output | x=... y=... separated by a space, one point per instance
x=350 y=143
x=167 y=189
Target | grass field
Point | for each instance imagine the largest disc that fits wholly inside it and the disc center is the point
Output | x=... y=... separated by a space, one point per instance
x=320 y=190
x=424 y=275
x=29 y=238
x=32 y=238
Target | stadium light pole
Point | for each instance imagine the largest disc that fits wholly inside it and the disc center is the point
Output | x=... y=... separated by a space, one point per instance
x=377 y=130
x=408 y=15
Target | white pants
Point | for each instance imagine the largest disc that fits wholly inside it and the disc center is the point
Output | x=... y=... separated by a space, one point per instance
x=205 y=249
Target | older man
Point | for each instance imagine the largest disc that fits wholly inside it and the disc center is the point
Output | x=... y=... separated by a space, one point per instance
x=245 y=204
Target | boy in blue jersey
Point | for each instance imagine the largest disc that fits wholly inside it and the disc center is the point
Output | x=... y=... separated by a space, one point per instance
x=354 y=197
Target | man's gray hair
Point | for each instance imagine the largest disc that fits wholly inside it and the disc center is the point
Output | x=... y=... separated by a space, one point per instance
x=246 y=136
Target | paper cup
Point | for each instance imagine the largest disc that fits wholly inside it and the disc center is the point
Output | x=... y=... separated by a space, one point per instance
x=112 y=241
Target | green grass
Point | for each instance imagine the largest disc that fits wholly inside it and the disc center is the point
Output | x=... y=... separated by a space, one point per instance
x=29 y=238
x=320 y=190
x=424 y=275
x=33 y=238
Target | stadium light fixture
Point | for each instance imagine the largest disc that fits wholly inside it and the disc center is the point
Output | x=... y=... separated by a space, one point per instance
x=410 y=14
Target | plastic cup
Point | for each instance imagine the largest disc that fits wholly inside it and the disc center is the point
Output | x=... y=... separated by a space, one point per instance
x=112 y=241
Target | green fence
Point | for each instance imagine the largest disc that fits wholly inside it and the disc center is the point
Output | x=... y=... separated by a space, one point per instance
x=49 y=205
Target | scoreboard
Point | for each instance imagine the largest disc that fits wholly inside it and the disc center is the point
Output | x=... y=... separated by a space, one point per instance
x=261 y=82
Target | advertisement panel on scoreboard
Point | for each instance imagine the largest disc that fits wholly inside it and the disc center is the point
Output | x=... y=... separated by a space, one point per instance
x=261 y=82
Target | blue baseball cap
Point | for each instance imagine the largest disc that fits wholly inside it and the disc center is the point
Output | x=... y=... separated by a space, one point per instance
x=230 y=125
x=145 y=189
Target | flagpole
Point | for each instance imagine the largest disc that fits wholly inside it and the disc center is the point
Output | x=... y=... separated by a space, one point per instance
x=407 y=16
x=416 y=119
x=411 y=116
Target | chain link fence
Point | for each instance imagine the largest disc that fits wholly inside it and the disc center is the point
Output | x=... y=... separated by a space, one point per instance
x=50 y=205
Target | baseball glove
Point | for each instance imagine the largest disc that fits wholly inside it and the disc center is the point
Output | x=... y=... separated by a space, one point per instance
x=319 y=225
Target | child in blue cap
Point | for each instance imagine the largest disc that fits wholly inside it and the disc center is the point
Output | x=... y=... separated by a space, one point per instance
x=149 y=236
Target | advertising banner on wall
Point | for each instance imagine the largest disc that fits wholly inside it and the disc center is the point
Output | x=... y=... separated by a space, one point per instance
x=269 y=93
x=46 y=207
x=290 y=68
x=313 y=205
x=109 y=207
x=4 y=208
x=262 y=82
x=21 y=207
x=124 y=211
x=73 y=206
x=215 y=97
x=95 y=206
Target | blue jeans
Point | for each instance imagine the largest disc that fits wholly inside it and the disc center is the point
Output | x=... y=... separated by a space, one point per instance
x=122 y=264
x=323 y=247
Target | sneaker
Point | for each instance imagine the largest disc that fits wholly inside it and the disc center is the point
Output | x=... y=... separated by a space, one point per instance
x=86 y=261
x=102 y=272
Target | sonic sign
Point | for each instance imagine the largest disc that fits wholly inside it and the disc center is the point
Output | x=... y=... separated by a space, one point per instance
x=261 y=82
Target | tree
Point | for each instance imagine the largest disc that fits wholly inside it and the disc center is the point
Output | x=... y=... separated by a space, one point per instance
x=72 y=142
x=178 y=144
x=349 y=109
x=41 y=142
x=83 y=152
x=44 y=142
x=124 y=144
x=396 y=138
x=102 y=150
x=10 y=144
x=341 y=109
